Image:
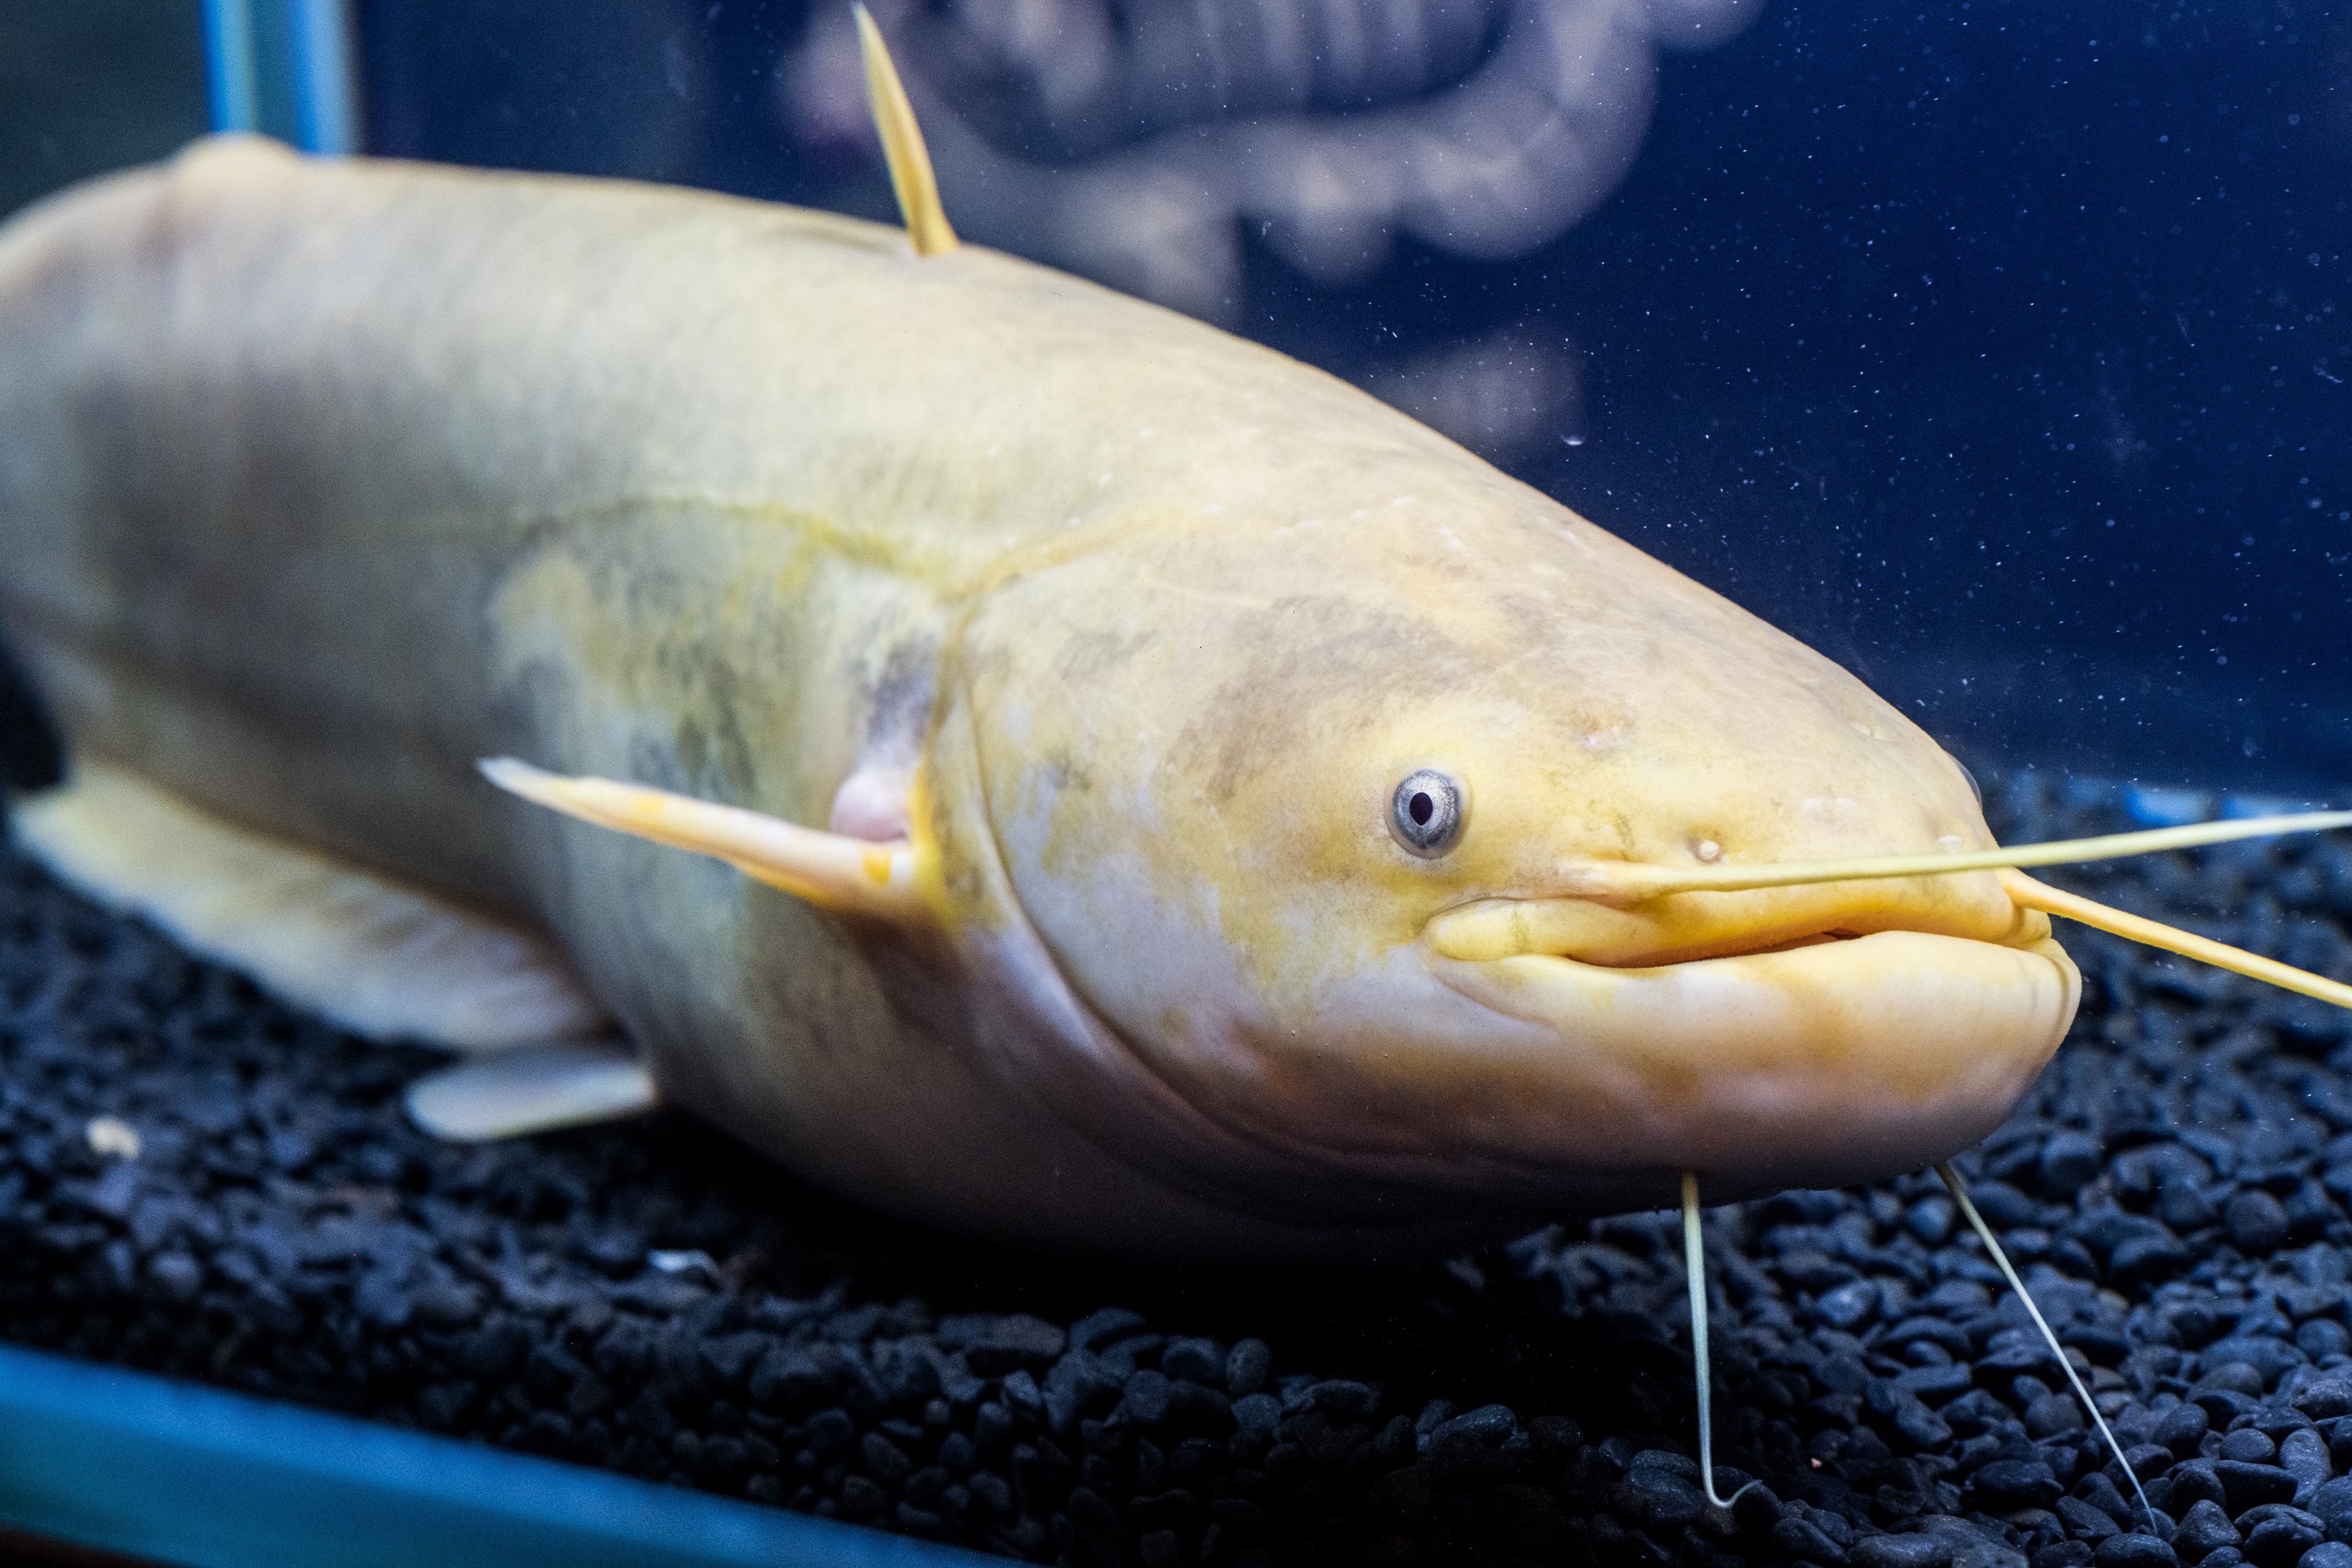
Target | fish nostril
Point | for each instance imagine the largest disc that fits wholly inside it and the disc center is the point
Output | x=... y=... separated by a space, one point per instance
x=1707 y=850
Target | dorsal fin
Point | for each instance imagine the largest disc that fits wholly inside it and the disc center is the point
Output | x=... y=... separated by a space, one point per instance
x=902 y=144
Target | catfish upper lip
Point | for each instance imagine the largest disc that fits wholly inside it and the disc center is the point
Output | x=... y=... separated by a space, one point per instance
x=1694 y=927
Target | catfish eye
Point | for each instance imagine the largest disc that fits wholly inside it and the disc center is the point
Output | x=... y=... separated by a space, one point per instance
x=1425 y=813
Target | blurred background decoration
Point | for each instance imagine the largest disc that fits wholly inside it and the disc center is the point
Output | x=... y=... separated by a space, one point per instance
x=2000 y=349
x=1147 y=146
x=1127 y=141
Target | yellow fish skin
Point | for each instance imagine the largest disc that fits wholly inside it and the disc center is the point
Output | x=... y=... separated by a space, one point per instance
x=1137 y=646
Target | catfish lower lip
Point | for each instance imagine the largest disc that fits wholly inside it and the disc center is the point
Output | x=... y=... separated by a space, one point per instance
x=1812 y=1067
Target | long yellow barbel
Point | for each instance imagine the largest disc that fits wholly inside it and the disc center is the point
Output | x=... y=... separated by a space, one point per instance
x=1628 y=883
x=1634 y=882
x=2029 y=894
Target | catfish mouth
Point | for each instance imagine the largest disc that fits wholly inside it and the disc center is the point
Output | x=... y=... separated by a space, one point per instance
x=1790 y=945
x=1696 y=929
x=1836 y=1036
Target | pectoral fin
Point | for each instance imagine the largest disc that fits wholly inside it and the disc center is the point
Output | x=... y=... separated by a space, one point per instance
x=531 y=1088
x=840 y=874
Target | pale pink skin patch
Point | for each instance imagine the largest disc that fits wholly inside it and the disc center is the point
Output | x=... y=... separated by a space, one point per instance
x=871 y=804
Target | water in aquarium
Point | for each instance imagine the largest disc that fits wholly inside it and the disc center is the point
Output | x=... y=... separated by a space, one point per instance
x=1997 y=350
x=2000 y=352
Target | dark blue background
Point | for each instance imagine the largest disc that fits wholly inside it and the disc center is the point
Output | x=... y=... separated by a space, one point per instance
x=2003 y=352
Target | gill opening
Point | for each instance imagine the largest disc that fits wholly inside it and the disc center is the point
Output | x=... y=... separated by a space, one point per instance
x=1623 y=882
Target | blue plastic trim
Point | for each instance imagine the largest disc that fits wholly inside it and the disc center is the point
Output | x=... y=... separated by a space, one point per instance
x=182 y=1474
x=230 y=65
x=284 y=68
x=319 y=34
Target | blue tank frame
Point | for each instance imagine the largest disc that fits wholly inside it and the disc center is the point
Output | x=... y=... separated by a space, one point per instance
x=285 y=69
x=167 y=1471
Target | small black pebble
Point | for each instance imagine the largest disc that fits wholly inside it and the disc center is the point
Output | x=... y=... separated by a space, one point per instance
x=1098 y=1329
x=1146 y=1401
x=1901 y=1552
x=2256 y=1222
x=2324 y=1397
x=2053 y=1412
x=2302 y=1454
x=177 y=1276
x=1248 y=1367
x=2069 y=1161
x=2133 y=1551
x=2084 y=1522
x=1801 y=1539
x=2249 y=1446
x=2006 y=1485
x=1344 y=1397
x=2180 y=1429
x=861 y=1498
x=1931 y=1219
x=2231 y=1376
x=2277 y=1535
x=2002 y=1206
x=2203 y=1529
x=884 y=1461
x=1656 y=1497
x=446 y=1306
x=1485 y=1426
x=2332 y=1504
x=1850 y=1306
x=2320 y=1338
x=2246 y=1486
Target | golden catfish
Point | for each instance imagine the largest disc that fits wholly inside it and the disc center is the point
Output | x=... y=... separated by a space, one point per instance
x=1187 y=805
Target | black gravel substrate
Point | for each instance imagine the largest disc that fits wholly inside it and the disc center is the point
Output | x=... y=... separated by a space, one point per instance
x=646 y=1298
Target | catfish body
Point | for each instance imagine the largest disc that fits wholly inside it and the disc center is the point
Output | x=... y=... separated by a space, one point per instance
x=324 y=482
x=321 y=483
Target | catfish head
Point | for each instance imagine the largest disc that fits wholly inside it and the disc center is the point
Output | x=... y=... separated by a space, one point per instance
x=1313 y=822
